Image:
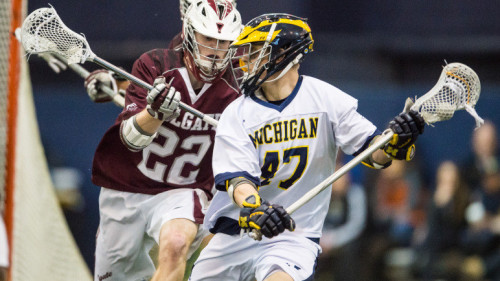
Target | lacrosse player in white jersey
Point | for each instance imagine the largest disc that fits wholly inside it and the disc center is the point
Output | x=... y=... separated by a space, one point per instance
x=275 y=143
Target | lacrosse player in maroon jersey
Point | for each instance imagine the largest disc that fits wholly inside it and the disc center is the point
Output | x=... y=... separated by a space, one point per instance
x=154 y=163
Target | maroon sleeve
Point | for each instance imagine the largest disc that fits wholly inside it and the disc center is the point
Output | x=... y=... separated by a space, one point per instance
x=135 y=99
x=176 y=42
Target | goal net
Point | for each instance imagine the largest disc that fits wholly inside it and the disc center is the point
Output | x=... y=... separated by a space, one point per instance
x=41 y=245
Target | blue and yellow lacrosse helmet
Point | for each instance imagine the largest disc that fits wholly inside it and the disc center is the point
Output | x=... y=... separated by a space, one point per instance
x=268 y=44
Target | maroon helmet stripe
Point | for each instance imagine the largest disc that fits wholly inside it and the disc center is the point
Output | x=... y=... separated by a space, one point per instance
x=229 y=8
x=214 y=6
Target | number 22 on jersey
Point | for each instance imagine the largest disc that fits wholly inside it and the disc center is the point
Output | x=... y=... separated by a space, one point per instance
x=172 y=143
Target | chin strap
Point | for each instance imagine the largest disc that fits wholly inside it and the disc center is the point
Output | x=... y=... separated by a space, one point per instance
x=287 y=68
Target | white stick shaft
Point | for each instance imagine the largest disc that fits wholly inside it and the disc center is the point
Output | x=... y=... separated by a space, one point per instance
x=146 y=86
x=380 y=142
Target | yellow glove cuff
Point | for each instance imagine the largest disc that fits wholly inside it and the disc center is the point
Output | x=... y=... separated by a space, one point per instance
x=252 y=201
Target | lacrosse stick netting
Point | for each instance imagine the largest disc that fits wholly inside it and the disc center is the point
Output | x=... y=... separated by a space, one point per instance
x=458 y=88
x=44 y=32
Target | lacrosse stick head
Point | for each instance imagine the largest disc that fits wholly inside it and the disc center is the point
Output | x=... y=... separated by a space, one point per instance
x=44 y=32
x=458 y=88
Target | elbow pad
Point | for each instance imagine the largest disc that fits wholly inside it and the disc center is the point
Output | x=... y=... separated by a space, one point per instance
x=133 y=136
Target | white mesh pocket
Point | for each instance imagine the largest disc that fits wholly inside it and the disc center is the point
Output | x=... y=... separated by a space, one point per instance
x=458 y=88
x=43 y=31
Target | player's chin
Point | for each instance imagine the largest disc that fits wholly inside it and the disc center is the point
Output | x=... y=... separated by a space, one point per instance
x=210 y=73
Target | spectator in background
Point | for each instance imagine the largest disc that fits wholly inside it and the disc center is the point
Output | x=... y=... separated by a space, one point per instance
x=482 y=240
x=481 y=167
x=397 y=206
x=440 y=255
x=344 y=224
x=396 y=220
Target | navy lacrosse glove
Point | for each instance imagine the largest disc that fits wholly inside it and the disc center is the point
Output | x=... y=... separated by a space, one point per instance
x=406 y=127
x=270 y=220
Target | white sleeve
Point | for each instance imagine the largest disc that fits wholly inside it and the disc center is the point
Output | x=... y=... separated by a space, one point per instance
x=234 y=154
x=351 y=129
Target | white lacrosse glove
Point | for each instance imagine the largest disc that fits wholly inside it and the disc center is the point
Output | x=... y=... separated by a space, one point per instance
x=163 y=100
x=54 y=63
x=97 y=79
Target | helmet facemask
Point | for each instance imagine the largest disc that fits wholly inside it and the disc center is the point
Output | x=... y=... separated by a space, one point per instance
x=211 y=61
x=253 y=62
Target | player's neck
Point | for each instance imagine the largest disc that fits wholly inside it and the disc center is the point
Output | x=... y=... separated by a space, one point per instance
x=280 y=89
x=195 y=83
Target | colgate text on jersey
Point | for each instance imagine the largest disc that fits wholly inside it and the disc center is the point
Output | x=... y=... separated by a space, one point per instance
x=188 y=121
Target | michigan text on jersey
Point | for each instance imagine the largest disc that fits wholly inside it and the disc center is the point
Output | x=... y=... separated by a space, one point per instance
x=285 y=130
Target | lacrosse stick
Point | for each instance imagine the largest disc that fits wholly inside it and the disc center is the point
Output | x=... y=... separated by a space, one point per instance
x=58 y=63
x=44 y=32
x=458 y=88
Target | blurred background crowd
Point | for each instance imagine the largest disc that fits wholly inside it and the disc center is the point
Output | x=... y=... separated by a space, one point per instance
x=435 y=218
x=398 y=225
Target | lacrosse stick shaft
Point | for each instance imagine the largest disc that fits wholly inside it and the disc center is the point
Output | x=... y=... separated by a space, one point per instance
x=117 y=99
x=380 y=142
x=148 y=87
x=82 y=72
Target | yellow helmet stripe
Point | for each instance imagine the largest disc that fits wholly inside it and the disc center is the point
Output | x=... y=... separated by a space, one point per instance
x=252 y=34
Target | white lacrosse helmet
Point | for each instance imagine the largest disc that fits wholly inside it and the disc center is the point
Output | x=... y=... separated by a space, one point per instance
x=217 y=19
x=184 y=5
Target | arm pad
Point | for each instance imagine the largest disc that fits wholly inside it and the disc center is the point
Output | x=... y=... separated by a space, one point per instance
x=133 y=136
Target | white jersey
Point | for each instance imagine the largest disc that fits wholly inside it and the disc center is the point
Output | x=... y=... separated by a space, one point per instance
x=285 y=149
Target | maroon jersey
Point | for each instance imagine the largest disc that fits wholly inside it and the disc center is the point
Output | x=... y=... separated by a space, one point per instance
x=176 y=41
x=181 y=155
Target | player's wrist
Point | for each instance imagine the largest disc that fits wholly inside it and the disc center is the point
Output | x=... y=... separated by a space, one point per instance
x=239 y=189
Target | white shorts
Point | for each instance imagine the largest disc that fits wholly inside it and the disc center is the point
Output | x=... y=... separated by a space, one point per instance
x=130 y=225
x=229 y=257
